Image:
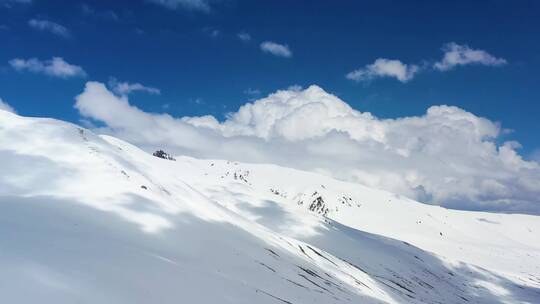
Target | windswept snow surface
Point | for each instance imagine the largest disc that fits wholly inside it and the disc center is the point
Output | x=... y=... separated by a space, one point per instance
x=92 y=219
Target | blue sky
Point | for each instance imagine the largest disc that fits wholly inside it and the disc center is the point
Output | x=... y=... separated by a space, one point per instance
x=192 y=53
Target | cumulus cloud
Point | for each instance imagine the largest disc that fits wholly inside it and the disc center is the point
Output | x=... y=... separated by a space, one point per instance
x=6 y=107
x=197 y=5
x=447 y=156
x=244 y=36
x=280 y=50
x=123 y=119
x=384 y=68
x=49 y=26
x=126 y=88
x=456 y=55
x=56 y=67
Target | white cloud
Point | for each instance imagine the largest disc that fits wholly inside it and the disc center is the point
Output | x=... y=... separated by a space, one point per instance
x=56 y=67
x=281 y=50
x=456 y=55
x=126 y=88
x=6 y=107
x=198 y=5
x=98 y=103
x=447 y=156
x=244 y=36
x=49 y=26
x=384 y=68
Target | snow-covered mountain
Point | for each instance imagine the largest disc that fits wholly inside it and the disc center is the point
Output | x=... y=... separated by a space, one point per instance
x=92 y=219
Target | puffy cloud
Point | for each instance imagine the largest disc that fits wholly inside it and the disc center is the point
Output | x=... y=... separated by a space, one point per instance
x=198 y=5
x=456 y=55
x=244 y=36
x=6 y=107
x=49 y=26
x=384 y=68
x=126 y=88
x=447 y=156
x=125 y=120
x=280 y=50
x=56 y=67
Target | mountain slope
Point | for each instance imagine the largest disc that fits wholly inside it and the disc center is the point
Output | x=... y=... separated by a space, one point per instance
x=509 y=243
x=87 y=218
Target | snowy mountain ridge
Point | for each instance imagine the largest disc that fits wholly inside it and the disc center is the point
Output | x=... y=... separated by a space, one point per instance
x=89 y=218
